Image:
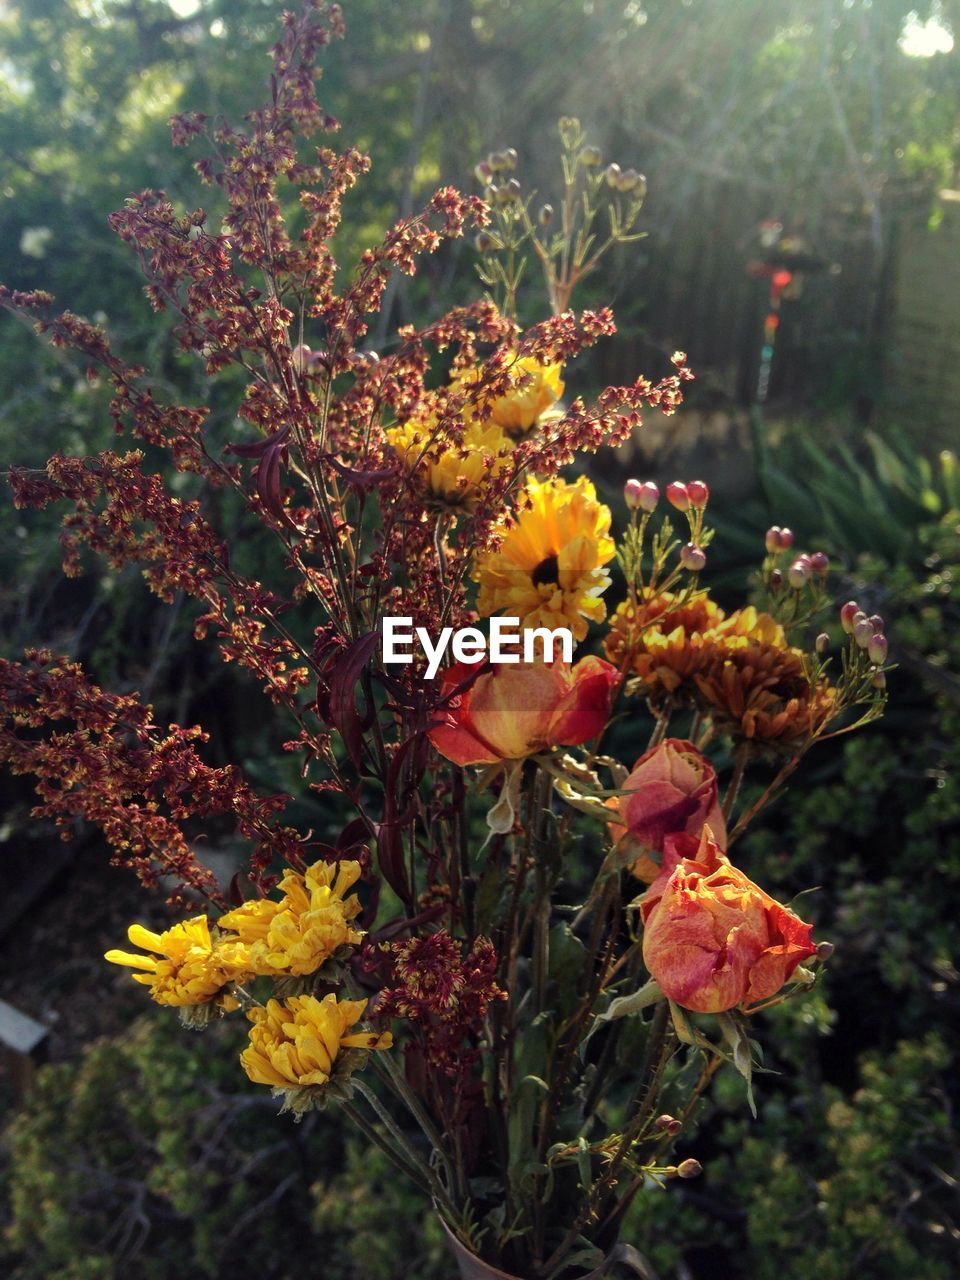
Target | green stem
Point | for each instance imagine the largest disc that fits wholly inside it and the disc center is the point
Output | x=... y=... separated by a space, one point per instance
x=733 y=789
x=436 y=1188
x=375 y=1136
x=388 y=1069
x=775 y=785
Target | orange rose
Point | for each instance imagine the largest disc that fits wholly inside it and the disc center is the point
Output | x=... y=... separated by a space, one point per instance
x=512 y=711
x=712 y=938
x=672 y=788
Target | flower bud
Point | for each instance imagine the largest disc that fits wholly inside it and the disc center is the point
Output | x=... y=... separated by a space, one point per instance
x=301 y=356
x=863 y=632
x=629 y=180
x=693 y=557
x=877 y=648
x=689 y=1168
x=497 y=161
x=879 y=681
x=798 y=575
x=641 y=494
x=772 y=539
x=824 y=951
x=677 y=495
x=612 y=175
x=512 y=189
x=591 y=157
x=775 y=581
x=545 y=216
x=484 y=242
x=876 y=622
x=822 y=642
x=820 y=562
x=511 y=157
x=668 y=1124
x=698 y=493
x=640 y=189
x=786 y=539
x=483 y=173
x=847 y=615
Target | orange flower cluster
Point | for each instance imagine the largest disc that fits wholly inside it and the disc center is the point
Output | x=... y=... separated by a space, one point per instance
x=738 y=669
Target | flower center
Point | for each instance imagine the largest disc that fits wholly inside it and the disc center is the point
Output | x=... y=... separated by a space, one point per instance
x=547 y=571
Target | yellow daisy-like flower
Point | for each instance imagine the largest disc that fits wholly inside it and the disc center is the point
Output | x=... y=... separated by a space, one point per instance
x=452 y=473
x=297 y=1047
x=187 y=967
x=306 y=927
x=535 y=389
x=548 y=570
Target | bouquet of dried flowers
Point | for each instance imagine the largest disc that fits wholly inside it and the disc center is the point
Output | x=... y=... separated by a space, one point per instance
x=515 y=961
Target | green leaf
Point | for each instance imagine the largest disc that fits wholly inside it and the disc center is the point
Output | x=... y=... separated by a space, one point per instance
x=627 y=1006
x=568 y=962
x=584 y=1167
x=735 y=1034
x=490 y=900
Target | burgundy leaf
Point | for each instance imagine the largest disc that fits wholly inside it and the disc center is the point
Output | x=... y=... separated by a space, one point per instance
x=344 y=716
x=359 y=479
x=256 y=448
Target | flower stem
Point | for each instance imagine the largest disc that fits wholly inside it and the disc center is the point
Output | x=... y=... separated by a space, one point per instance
x=733 y=789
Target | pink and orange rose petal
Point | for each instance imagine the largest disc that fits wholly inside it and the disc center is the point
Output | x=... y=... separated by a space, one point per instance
x=512 y=711
x=672 y=788
x=713 y=940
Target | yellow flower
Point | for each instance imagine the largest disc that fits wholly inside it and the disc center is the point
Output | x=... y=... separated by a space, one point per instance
x=297 y=1047
x=188 y=967
x=306 y=927
x=452 y=473
x=665 y=640
x=548 y=570
x=670 y=642
x=535 y=388
x=747 y=626
x=761 y=692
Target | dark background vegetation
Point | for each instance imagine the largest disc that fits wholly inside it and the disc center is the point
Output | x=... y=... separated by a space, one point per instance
x=141 y=1153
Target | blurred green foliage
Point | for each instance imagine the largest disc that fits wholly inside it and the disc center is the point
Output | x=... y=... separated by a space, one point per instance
x=154 y=1157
